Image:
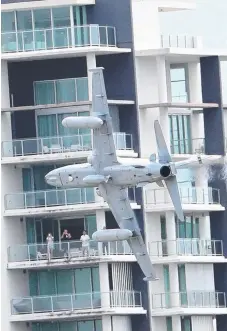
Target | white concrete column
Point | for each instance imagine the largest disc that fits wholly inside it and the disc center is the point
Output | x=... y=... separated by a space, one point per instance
x=204 y=227
x=106 y=323
x=171 y=233
x=174 y=286
x=176 y=323
x=104 y=285
x=163 y=96
x=91 y=64
x=121 y=323
x=195 y=96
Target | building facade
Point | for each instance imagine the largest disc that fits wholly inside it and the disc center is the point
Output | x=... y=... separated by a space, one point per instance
x=48 y=48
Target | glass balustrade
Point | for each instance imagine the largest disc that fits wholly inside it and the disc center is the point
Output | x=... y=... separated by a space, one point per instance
x=189 y=299
x=59 y=144
x=51 y=198
x=59 y=37
x=74 y=302
x=186 y=247
x=71 y=249
x=189 y=195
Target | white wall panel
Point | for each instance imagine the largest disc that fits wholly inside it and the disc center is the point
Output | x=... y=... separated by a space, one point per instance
x=202 y=323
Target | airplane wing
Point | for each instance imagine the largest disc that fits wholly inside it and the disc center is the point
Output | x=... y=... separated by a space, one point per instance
x=104 y=151
x=118 y=201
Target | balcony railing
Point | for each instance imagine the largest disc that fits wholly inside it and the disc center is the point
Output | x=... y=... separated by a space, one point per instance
x=60 y=250
x=186 y=247
x=51 y=198
x=181 y=41
x=188 y=146
x=74 y=302
x=56 y=38
x=58 y=144
x=189 y=195
x=192 y=299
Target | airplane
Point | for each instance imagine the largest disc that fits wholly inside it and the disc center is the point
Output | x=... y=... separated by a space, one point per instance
x=111 y=177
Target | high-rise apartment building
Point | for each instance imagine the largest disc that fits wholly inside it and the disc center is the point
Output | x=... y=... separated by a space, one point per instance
x=48 y=47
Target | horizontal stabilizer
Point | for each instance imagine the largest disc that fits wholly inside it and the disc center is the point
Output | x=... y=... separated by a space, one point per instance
x=172 y=186
x=163 y=153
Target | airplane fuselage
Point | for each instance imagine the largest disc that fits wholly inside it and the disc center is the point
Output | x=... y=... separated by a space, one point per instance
x=119 y=175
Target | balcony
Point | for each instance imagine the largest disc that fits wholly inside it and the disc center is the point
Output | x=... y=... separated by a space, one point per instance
x=192 y=198
x=190 y=303
x=44 y=150
x=179 y=41
x=40 y=256
x=56 y=38
x=186 y=146
x=57 y=202
x=76 y=306
x=184 y=250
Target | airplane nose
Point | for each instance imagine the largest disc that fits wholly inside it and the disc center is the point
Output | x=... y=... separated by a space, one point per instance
x=53 y=179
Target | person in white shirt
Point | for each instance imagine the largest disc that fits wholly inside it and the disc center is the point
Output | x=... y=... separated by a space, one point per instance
x=85 y=243
x=50 y=245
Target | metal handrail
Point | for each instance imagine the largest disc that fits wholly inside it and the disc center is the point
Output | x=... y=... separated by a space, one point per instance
x=59 y=144
x=188 y=146
x=183 y=41
x=77 y=301
x=46 y=39
x=186 y=247
x=189 y=195
x=54 y=197
x=189 y=299
x=61 y=250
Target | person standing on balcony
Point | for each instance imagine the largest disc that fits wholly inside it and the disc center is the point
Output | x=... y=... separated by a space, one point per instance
x=65 y=238
x=50 y=245
x=85 y=243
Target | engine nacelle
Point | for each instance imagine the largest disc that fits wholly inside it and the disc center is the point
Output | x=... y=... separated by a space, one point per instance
x=112 y=235
x=82 y=122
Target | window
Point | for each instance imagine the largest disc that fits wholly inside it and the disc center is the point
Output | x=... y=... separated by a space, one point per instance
x=60 y=91
x=8 y=22
x=164 y=236
x=187 y=229
x=66 y=281
x=182 y=284
x=24 y=20
x=178 y=84
x=42 y=18
x=166 y=285
x=169 y=326
x=186 y=324
x=180 y=134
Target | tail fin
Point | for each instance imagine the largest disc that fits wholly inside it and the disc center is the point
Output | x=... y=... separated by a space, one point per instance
x=171 y=182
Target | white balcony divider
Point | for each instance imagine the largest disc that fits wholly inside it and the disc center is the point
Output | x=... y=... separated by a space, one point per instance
x=74 y=302
x=59 y=144
x=62 y=250
x=57 y=38
x=186 y=247
x=189 y=299
x=189 y=195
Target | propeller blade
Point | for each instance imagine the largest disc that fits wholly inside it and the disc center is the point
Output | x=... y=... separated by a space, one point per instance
x=163 y=153
x=172 y=186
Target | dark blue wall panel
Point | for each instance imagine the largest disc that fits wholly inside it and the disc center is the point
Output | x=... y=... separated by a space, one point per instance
x=113 y=13
x=21 y=78
x=215 y=145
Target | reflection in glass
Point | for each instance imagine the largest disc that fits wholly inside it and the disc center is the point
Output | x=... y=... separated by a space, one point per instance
x=8 y=22
x=61 y=16
x=42 y=18
x=24 y=20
